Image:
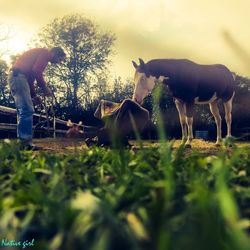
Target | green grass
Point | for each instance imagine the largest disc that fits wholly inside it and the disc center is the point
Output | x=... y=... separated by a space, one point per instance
x=154 y=198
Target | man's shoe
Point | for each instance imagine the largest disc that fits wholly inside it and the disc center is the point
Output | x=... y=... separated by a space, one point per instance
x=31 y=147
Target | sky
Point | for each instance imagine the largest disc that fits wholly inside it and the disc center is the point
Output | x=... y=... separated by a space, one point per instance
x=207 y=32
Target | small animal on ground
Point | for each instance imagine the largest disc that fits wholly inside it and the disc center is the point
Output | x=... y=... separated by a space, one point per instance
x=75 y=130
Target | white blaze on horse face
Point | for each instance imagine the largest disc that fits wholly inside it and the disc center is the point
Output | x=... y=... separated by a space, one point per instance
x=143 y=86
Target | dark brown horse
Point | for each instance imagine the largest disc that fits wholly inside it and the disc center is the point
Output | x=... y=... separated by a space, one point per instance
x=190 y=83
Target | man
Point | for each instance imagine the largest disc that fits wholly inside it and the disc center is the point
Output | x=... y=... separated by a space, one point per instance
x=27 y=69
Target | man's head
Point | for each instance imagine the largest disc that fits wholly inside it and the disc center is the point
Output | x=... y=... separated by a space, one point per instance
x=58 y=55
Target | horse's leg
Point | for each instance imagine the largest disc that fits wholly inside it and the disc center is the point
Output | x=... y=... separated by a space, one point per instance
x=215 y=111
x=228 y=115
x=181 y=110
x=189 y=110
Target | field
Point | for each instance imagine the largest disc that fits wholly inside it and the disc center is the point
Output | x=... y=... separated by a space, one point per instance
x=155 y=196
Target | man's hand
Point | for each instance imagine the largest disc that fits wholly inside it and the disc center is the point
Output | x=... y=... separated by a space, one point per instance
x=37 y=101
x=47 y=92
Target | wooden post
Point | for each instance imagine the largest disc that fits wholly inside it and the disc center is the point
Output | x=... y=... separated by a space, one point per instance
x=54 y=126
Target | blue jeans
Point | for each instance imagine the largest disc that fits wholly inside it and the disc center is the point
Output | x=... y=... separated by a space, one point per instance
x=21 y=92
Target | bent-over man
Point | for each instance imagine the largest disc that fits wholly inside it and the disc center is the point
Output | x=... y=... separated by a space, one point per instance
x=27 y=69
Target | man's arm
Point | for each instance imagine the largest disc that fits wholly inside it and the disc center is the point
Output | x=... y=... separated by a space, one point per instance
x=38 y=69
x=32 y=89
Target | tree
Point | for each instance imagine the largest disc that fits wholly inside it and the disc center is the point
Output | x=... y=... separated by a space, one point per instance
x=241 y=104
x=88 y=50
x=5 y=97
x=119 y=90
x=115 y=92
x=4 y=36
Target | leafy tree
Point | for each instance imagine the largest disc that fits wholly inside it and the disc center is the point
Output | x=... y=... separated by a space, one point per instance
x=4 y=36
x=5 y=97
x=115 y=92
x=119 y=90
x=88 y=50
x=241 y=104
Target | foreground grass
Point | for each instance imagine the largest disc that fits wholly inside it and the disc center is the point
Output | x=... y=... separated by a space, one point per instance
x=153 y=198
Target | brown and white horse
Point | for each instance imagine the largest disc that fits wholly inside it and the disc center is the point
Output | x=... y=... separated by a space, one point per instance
x=190 y=84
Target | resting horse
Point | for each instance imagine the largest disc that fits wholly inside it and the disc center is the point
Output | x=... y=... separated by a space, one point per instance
x=121 y=120
x=189 y=83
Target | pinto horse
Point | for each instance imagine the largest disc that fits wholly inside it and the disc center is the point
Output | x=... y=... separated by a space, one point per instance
x=190 y=83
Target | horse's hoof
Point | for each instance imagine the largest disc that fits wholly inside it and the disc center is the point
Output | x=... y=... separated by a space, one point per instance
x=229 y=141
x=217 y=145
x=188 y=146
x=183 y=141
x=231 y=138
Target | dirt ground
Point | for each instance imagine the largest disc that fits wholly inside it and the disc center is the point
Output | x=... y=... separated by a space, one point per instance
x=62 y=145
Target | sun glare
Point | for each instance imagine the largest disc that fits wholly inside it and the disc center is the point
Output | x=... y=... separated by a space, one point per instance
x=16 y=42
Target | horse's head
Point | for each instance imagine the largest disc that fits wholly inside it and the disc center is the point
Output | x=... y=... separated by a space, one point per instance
x=144 y=82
